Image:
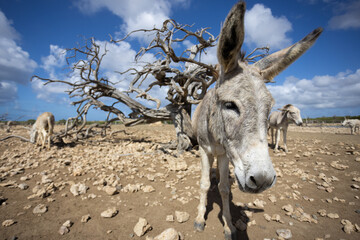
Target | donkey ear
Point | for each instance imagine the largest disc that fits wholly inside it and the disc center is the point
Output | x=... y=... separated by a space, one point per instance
x=273 y=64
x=231 y=37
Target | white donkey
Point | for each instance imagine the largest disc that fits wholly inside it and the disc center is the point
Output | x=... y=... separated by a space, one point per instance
x=352 y=123
x=43 y=129
x=279 y=121
x=231 y=121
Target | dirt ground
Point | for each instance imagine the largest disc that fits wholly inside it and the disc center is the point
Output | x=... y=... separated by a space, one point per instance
x=321 y=172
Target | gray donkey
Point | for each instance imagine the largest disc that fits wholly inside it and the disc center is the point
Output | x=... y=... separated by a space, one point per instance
x=231 y=121
x=279 y=121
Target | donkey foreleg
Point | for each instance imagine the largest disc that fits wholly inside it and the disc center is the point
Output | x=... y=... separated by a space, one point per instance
x=277 y=140
x=284 y=139
x=206 y=163
x=224 y=189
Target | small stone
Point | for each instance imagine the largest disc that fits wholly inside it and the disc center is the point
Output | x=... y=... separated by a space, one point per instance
x=181 y=217
x=168 y=234
x=109 y=213
x=85 y=218
x=284 y=233
x=8 y=223
x=267 y=217
x=272 y=198
x=276 y=218
x=45 y=179
x=109 y=231
x=64 y=230
x=110 y=190
x=78 y=189
x=322 y=212
x=170 y=218
x=288 y=208
x=148 y=189
x=348 y=226
x=40 y=209
x=333 y=215
x=68 y=224
x=259 y=203
x=23 y=186
x=141 y=227
x=355 y=186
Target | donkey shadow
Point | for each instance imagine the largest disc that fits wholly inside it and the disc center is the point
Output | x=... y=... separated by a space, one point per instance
x=237 y=212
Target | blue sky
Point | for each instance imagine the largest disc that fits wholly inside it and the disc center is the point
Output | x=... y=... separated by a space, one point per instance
x=325 y=81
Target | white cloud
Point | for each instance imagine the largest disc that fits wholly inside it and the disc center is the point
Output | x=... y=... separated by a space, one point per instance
x=7 y=31
x=321 y=92
x=8 y=91
x=136 y=14
x=56 y=60
x=263 y=29
x=349 y=19
x=15 y=63
x=53 y=64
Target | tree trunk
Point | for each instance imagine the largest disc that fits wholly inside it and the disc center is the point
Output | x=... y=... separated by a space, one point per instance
x=184 y=132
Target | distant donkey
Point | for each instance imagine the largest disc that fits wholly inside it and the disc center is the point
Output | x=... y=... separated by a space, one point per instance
x=279 y=121
x=231 y=121
x=43 y=129
x=352 y=123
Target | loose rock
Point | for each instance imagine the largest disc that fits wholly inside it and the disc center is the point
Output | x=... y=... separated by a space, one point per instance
x=284 y=233
x=141 y=227
x=109 y=213
x=110 y=190
x=168 y=234
x=85 y=218
x=8 y=223
x=181 y=217
x=78 y=189
x=40 y=209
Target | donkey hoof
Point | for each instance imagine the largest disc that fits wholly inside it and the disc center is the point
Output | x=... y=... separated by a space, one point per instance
x=199 y=226
x=230 y=236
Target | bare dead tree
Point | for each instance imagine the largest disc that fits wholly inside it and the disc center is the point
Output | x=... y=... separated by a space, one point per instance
x=186 y=77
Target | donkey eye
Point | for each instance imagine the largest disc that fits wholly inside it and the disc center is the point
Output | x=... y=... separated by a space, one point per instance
x=231 y=106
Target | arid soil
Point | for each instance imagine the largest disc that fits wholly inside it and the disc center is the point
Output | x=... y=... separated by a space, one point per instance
x=316 y=195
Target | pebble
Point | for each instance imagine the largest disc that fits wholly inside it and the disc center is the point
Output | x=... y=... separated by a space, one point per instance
x=85 y=218
x=259 y=203
x=141 y=227
x=348 y=226
x=170 y=218
x=333 y=215
x=8 y=223
x=40 y=209
x=78 y=189
x=168 y=234
x=109 y=213
x=23 y=186
x=64 y=230
x=284 y=233
x=148 y=189
x=272 y=198
x=68 y=224
x=322 y=212
x=182 y=217
x=110 y=190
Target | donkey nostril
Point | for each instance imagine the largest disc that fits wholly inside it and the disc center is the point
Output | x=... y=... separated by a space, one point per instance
x=252 y=178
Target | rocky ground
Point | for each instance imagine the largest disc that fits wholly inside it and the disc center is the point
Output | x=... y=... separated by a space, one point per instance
x=125 y=187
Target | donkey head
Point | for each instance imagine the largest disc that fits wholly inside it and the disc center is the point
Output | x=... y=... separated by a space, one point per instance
x=243 y=102
x=292 y=113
